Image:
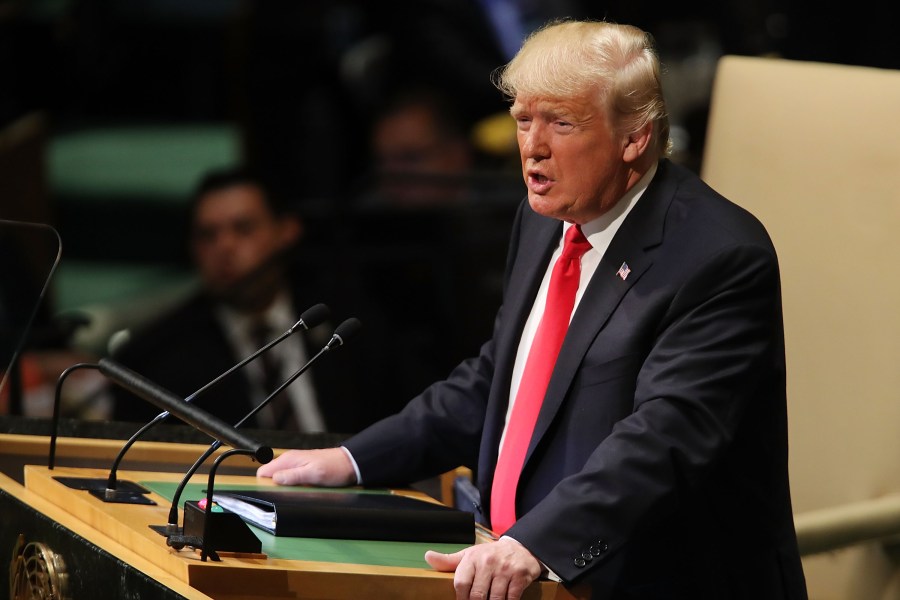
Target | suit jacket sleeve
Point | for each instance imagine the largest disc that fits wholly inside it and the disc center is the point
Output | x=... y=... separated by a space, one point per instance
x=439 y=429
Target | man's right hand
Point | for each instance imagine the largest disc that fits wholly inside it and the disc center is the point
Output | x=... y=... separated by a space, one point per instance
x=327 y=467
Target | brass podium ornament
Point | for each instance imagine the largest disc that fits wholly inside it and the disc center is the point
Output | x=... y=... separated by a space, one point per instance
x=36 y=573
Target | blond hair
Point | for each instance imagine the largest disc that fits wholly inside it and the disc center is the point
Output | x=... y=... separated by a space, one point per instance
x=571 y=58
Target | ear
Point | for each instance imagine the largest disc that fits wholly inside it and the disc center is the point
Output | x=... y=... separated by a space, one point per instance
x=637 y=143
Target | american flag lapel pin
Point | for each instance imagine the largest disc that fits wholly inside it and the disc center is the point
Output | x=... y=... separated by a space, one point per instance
x=623 y=271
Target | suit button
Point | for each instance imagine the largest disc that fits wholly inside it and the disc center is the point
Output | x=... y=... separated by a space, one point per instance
x=599 y=548
x=580 y=562
x=587 y=556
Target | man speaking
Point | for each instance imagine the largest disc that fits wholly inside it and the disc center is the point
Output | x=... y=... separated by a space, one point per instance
x=626 y=421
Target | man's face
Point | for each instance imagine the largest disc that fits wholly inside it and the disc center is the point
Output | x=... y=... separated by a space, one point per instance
x=572 y=160
x=412 y=153
x=234 y=233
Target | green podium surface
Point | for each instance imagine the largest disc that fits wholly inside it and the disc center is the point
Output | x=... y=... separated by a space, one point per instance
x=360 y=552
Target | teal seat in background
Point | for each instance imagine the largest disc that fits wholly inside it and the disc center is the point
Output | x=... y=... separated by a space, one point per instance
x=120 y=193
x=130 y=163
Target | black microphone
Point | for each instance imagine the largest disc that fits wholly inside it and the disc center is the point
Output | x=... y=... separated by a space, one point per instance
x=187 y=412
x=193 y=415
x=311 y=317
x=342 y=333
x=133 y=493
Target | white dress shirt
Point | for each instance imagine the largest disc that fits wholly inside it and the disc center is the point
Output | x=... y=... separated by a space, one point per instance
x=290 y=353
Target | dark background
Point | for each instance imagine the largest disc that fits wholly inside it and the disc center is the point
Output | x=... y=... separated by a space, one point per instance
x=300 y=82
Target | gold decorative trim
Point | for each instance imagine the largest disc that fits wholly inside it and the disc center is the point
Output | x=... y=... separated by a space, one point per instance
x=36 y=571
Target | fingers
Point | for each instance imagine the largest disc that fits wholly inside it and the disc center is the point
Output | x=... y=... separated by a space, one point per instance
x=283 y=461
x=516 y=588
x=298 y=475
x=325 y=467
x=445 y=563
x=482 y=576
x=499 y=570
x=466 y=574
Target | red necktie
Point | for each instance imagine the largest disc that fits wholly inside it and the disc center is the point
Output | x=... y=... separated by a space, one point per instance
x=539 y=366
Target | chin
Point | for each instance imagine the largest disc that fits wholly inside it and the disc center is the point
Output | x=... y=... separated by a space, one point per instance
x=545 y=206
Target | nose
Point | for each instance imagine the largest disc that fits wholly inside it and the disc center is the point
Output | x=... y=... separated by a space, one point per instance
x=533 y=143
x=217 y=240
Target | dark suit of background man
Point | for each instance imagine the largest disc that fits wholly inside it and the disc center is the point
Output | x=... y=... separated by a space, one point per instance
x=658 y=465
x=240 y=242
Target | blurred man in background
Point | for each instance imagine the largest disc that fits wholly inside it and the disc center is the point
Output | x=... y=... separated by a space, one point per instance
x=241 y=239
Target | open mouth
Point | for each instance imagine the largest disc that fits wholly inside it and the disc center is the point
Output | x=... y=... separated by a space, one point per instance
x=539 y=183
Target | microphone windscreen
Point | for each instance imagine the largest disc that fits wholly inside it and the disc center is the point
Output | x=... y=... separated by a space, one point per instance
x=315 y=315
x=347 y=329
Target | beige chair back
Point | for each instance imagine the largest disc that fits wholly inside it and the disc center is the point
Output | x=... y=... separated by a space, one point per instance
x=814 y=151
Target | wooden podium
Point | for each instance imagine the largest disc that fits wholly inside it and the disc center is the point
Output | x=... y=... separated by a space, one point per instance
x=97 y=549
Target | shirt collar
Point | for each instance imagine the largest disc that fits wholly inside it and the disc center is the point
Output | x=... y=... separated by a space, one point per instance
x=601 y=230
x=278 y=315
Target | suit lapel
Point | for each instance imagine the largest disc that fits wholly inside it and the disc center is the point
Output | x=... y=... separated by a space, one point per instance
x=524 y=284
x=633 y=246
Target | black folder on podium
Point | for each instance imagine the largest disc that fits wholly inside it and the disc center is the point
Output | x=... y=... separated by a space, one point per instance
x=349 y=514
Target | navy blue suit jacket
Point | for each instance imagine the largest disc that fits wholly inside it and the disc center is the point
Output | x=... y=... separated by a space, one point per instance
x=658 y=468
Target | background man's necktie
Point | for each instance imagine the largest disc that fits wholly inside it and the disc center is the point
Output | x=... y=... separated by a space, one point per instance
x=538 y=367
x=280 y=407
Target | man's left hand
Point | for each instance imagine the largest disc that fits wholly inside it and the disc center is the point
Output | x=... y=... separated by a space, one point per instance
x=498 y=570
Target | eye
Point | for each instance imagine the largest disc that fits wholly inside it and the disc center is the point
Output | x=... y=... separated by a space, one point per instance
x=523 y=123
x=245 y=227
x=562 y=125
x=205 y=235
